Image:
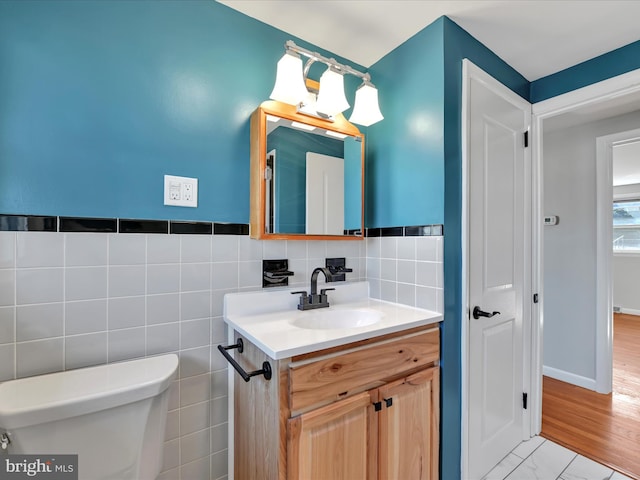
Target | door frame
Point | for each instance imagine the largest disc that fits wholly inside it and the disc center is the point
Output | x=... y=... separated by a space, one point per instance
x=469 y=71
x=603 y=91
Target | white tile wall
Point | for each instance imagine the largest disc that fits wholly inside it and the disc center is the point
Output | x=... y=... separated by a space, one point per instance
x=407 y=270
x=69 y=300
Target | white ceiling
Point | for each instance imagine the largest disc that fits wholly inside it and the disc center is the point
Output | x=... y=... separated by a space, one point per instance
x=535 y=37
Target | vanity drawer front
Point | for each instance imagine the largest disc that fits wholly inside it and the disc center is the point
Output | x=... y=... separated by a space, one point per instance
x=342 y=373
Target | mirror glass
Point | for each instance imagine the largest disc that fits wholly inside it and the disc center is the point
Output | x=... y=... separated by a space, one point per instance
x=313 y=180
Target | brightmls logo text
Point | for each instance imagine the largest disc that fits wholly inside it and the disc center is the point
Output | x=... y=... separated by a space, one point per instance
x=49 y=467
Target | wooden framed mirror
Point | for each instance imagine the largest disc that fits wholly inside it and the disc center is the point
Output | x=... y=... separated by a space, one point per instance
x=307 y=176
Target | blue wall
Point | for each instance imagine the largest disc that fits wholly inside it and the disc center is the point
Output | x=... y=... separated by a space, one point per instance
x=100 y=99
x=611 y=64
x=405 y=155
x=458 y=45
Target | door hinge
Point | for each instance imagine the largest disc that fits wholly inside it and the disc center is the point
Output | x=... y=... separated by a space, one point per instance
x=377 y=406
x=535 y=298
x=526 y=139
x=268 y=173
x=524 y=400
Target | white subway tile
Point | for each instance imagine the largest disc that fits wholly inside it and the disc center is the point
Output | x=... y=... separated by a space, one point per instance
x=127 y=281
x=195 y=276
x=38 y=285
x=85 y=283
x=85 y=317
x=224 y=248
x=163 y=338
x=406 y=271
x=274 y=249
x=39 y=249
x=35 y=322
x=163 y=308
x=127 y=249
x=389 y=247
x=250 y=274
x=196 y=469
x=194 y=446
x=195 y=305
x=248 y=249
x=85 y=350
x=194 y=418
x=126 y=344
x=86 y=249
x=195 y=389
x=163 y=278
x=388 y=269
x=224 y=275
x=407 y=248
x=39 y=357
x=7 y=324
x=219 y=465
x=194 y=361
x=7 y=249
x=127 y=312
x=7 y=362
x=195 y=248
x=163 y=249
x=195 y=333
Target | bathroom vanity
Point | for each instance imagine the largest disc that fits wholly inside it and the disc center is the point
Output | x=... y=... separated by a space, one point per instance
x=346 y=399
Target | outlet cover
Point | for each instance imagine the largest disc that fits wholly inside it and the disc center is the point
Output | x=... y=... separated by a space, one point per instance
x=180 y=191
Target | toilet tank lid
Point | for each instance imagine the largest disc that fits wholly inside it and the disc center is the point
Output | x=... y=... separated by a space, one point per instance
x=56 y=396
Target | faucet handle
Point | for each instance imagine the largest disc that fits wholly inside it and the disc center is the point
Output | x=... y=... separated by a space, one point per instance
x=323 y=291
x=301 y=293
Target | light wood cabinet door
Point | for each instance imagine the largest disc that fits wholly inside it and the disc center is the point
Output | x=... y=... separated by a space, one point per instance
x=408 y=428
x=332 y=442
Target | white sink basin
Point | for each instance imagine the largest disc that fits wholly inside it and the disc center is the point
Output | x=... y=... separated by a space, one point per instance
x=337 y=319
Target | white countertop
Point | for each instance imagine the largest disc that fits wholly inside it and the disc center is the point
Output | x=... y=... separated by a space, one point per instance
x=267 y=319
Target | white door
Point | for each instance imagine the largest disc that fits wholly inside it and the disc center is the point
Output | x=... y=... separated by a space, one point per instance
x=325 y=195
x=498 y=212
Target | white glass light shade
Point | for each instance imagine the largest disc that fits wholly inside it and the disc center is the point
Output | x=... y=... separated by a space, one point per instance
x=366 y=110
x=289 y=87
x=331 y=99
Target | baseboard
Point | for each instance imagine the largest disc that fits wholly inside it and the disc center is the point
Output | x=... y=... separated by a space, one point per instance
x=571 y=378
x=629 y=311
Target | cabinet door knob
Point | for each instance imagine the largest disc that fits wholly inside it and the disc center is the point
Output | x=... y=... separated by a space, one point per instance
x=388 y=401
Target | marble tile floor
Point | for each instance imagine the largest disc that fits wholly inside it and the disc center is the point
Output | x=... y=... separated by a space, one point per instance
x=540 y=459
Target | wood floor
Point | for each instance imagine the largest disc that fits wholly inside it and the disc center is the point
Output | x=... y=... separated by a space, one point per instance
x=605 y=428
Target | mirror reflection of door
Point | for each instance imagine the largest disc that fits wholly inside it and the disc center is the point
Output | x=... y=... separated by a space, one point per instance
x=325 y=195
x=270 y=199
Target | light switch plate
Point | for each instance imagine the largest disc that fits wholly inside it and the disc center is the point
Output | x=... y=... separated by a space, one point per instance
x=180 y=191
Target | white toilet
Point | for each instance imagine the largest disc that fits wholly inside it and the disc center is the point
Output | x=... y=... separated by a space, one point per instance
x=112 y=416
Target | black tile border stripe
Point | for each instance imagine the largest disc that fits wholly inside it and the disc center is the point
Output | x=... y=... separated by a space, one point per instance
x=80 y=224
x=142 y=226
x=41 y=223
x=28 y=223
x=230 y=229
x=191 y=228
x=412 y=231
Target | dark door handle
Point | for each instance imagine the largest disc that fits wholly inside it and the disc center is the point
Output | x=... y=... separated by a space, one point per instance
x=477 y=313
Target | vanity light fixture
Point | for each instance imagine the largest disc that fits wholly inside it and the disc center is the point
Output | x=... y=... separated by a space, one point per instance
x=290 y=87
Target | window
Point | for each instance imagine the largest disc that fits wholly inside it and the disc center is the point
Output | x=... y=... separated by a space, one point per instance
x=626 y=226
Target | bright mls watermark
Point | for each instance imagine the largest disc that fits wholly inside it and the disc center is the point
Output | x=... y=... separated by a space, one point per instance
x=49 y=467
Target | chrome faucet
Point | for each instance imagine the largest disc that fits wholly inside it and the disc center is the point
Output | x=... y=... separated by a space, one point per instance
x=313 y=299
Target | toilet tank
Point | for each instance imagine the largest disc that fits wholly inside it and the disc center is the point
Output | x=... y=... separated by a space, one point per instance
x=112 y=416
